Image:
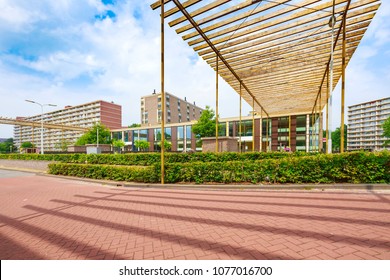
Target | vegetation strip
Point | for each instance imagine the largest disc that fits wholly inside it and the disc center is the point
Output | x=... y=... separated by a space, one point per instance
x=357 y=167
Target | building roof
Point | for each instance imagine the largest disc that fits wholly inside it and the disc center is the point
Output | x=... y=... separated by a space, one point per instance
x=276 y=51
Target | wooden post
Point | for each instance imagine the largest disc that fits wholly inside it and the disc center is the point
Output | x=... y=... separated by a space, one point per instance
x=239 y=127
x=162 y=97
x=216 y=107
x=343 y=88
x=253 y=124
x=327 y=110
x=261 y=130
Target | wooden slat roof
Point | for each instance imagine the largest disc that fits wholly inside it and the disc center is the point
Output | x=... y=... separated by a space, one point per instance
x=278 y=50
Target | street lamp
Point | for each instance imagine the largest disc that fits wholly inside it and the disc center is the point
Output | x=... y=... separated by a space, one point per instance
x=42 y=105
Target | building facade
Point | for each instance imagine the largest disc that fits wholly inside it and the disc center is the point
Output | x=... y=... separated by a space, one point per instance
x=295 y=133
x=177 y=110
x=365 y=122
x=84 y=115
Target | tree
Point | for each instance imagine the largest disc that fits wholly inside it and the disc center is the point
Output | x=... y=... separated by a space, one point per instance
x=205 y=127
x=26 y=145
x=7 y=146
x=142 y=145
x=62 y=145
x=118 y=144
x=90 y=136
x=134 y=125
x=167 y=145
x=336 y=138
x=386 y=132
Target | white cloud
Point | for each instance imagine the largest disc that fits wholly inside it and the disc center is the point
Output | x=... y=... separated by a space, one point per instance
x=121 y=58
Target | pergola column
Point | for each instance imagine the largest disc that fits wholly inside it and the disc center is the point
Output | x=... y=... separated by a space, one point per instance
x=162 y=95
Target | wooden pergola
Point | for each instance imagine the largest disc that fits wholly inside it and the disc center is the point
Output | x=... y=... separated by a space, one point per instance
x=282 y=57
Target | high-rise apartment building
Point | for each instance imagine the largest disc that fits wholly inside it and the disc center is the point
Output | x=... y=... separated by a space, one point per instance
x=84 y=115
x=365 y=122
x=177 y=110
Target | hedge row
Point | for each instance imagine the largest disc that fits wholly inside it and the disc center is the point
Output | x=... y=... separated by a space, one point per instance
x=148 y=159
x=108 y=172
x=339 y=168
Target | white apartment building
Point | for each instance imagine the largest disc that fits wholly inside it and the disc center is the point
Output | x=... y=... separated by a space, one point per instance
x=84 y=115
x=365 y=122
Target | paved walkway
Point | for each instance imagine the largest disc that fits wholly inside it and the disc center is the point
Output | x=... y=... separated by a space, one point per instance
x=45 y=217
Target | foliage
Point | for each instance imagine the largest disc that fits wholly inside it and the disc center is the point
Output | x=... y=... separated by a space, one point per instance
x=386 y=131
x=7 y=146
x=134 y=125
x=142 y=145
x=205 y=126
x=93 y=171
x=26 y=145
x=336 y=138
x=356 y=167
x=62 y=145
x=118 y=143
x=167 y=145
x=90 y=136
x=147 y=159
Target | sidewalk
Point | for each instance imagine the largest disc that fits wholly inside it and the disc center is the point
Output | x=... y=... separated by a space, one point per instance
x=47 y=217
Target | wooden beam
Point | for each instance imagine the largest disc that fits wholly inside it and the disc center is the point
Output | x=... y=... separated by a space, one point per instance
x=199 y=11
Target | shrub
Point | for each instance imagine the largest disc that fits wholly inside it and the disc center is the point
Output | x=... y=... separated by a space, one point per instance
x=359 y=167
x=108 y=172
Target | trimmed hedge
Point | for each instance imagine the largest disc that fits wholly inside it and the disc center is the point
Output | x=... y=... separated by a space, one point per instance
x=346 y=168
x=359 y=167
x=108 y=172
x=149 y=159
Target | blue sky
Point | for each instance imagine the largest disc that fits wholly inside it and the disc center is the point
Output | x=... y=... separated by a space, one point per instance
x=68 y=52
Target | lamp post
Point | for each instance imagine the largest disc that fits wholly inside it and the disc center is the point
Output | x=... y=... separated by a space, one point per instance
x=42 y=105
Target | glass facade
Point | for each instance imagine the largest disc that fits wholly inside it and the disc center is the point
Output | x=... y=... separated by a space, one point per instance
x=222 y=129
x=301 y=133
x=313 y=129
x=264 y=133
x=290 y=132
x=141 y=134
x=180 y=138
x=157 y=137
x=188 y=137
x=246 y=128
x=283 y=133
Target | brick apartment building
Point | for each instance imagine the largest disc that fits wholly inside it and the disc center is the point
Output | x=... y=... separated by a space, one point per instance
x=84 y=115
x=177 y=110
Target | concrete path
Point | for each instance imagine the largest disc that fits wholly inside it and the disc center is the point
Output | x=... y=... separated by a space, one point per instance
x=45 y=217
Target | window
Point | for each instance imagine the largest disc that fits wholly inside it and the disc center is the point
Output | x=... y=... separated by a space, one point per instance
x=222 y=129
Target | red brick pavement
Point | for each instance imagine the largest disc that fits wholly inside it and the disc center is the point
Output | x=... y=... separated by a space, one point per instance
x=52 y=218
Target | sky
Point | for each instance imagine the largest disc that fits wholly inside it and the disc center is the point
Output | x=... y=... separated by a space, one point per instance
x=69 y=52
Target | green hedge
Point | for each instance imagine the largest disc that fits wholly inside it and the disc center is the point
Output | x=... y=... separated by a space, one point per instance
x=346 y=168
x=148 y=159
x=108 y=172
x=357 y=167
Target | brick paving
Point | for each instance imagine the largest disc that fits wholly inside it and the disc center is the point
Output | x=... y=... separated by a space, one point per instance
x=45 y=217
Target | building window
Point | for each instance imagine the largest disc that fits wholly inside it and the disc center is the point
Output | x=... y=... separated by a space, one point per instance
x=157 y=137
x=222 y=129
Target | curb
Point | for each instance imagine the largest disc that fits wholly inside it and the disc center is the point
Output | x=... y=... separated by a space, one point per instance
x=305 y=187
x=35 y=171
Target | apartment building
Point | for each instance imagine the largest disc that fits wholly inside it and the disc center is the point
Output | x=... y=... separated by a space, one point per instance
x=365 y=122
x=297 y=132
x=84 y=115
x=177 y=110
